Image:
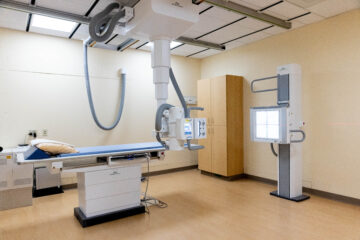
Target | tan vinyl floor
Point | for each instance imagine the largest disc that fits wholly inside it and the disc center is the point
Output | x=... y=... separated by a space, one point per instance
x=200 y=207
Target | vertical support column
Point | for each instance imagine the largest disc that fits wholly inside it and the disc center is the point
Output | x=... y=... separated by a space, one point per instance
x=160 y=61
x=284 y=170
x=290 y=154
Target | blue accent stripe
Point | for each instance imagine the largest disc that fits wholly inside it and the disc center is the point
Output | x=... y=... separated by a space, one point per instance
x=115 y=149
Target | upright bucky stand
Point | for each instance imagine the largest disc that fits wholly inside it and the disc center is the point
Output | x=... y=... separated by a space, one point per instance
x=282 y=124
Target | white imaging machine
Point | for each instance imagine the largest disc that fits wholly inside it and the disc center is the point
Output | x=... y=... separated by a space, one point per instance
x=282 y=124
x=109 y=176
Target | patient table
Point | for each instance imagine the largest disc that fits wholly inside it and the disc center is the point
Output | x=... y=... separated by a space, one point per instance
x=109 y=178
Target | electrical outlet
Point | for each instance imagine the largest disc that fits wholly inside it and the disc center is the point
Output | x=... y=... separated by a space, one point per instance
x=45 y=132
x=33 y=134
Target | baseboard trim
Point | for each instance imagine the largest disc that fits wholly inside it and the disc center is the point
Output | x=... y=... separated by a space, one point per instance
x=69 y=186
x=315 y=192
x=230 y=178
x=155 y=173
x=171 y=170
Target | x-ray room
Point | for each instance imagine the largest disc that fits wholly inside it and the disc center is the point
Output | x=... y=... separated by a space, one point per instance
x=179 y=119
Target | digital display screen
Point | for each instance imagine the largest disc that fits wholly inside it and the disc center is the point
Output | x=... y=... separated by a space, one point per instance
x=188 y=128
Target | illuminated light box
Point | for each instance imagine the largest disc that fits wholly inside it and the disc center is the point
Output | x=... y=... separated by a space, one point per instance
x=268 y=124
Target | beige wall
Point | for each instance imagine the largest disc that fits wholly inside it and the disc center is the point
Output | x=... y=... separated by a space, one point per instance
x=42 y=87
x=329 y=53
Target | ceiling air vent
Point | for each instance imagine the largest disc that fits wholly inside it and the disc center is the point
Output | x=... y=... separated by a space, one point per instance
x=305 y=3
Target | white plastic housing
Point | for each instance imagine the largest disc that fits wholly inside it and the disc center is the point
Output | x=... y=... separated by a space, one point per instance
x=294 y=122
x=200 y=128
x=161 y=19
x=160 y=62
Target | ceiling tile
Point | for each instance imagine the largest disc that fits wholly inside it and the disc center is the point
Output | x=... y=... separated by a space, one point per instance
x=310 y=18
x=331 y=8
x=192 y=34
x=285 y=10
x=201 y=7
x=255 y=4
x=234 y=44
x=24 y=1
x=228 y=33
x=253 y=23
x=100 y=6
x=13 y=19
x=186 y=50
x=255 y=37
x=72 y=6
x=223 y=14
x=82 y=33
x=118 y=40
x=146 y=47
x=207 y=53
x=296 y=24
x=275 y=30
x=246 y=40
x=138 y=44
x=207 y=24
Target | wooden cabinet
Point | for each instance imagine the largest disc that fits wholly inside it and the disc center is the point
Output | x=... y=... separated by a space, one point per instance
x=222 y=98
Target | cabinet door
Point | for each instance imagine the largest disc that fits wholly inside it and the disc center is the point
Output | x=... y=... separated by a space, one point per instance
x=218 y=101
x=204 y=96
x=204 y=155
x=219 y=150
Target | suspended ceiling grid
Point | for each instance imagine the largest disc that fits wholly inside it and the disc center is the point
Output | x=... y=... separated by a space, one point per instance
x=216 y=25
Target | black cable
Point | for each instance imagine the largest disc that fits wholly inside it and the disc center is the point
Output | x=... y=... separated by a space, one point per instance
x=148 y=200
x=147 y=184
x=273 y=150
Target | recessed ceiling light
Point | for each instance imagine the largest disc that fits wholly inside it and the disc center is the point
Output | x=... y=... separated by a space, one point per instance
x=52 y=23
x=173 y=44
x=149 y=44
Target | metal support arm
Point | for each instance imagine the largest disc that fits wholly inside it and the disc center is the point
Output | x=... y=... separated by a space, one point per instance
x=262 y=79
x=235 y=7
x=300 y=140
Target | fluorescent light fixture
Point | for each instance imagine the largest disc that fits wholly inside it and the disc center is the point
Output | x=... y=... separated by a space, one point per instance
x=173 y=44
x=149 y=44
x=52 y=23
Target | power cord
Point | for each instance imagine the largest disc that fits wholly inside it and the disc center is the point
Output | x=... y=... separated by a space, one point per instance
x=148 y=200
